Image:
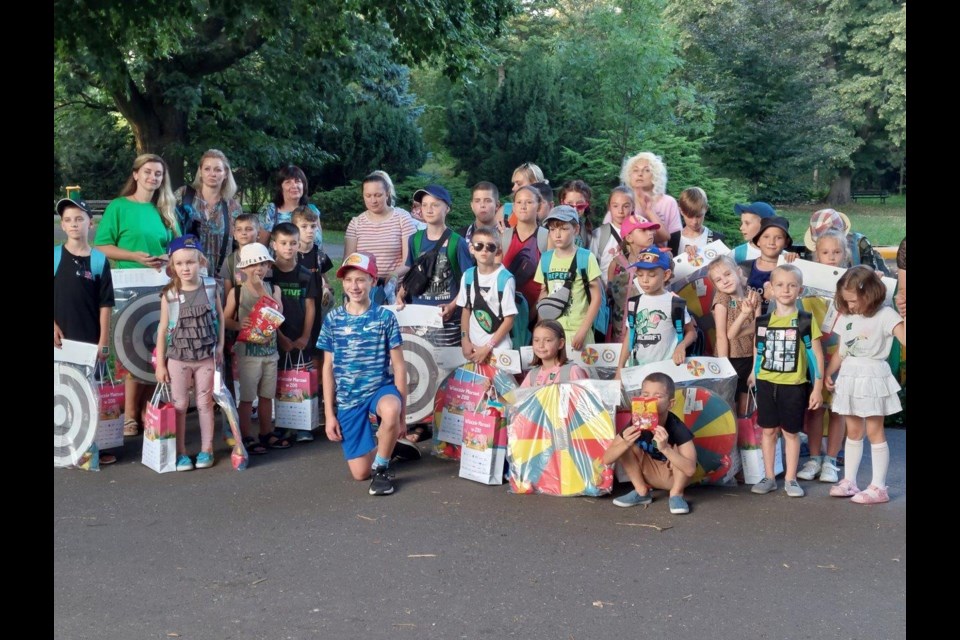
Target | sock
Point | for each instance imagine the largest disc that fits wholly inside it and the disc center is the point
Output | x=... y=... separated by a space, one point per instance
x=854 y=450
x=880 y=460
x=817 y=458
x=829 y=460
x=380 y=462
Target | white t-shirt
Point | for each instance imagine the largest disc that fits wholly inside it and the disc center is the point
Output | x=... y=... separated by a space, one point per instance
x=699 y=241
x=488 y=290
x=655 y=338
x=863 y=337
x=605 y=255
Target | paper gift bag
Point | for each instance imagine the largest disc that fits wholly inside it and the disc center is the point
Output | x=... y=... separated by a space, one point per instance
x=749 y=441
x=294 y=408
x=110 y=422
x=484 y=447
x=160 y=433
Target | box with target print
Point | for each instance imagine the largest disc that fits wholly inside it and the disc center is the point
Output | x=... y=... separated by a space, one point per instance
x=135 y=319
x=297 y=405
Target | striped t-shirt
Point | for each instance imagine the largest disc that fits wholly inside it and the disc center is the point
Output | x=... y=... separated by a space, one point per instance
x=383 y=239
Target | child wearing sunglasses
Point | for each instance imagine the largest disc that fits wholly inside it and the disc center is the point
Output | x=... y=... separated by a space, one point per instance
x=487 y=295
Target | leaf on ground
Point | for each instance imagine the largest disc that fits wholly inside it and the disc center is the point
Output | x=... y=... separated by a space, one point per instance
x=422 y=555
x=600 y=604
x=650 y=526
x=366 y=518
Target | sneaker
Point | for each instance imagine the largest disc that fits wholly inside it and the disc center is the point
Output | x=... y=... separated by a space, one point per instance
x=793 y=489
x=184 y=463
x=405 y=450
x=872 y=495
x=844 y=489
x=304 y=436
x=765 y=486
x=204 y=460
x=633 y=499
x=678 y=506
x=381 y=484
x=809 y=470
x=830 y=473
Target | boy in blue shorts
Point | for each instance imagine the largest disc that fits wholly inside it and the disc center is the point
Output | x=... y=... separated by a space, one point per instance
x=361 y=341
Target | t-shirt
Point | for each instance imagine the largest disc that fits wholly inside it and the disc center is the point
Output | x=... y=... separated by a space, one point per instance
x=361 y=351
x=863 y=337
x=229 y=271
x=557 y=274
x=669 y=211
x=296 y=286
x=699 y=241
x=605 y=255
x=78 y=296
x=383 y=239
x=784 y=356
x=270 y=216
x=311 y=262
x=677 y=434
x=757 y=277
x=522 y=258
x=134 y=226
x=741 y=346
x=444 y=286
x=655 y=337
x=488 y=291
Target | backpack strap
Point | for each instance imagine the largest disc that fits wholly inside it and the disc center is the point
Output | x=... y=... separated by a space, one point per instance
x=677 y=308
x=565 y=372
x=762 y=323
x=98 y=260
x=468 y=278
x=417 y=242
x=545 y=259
x=453 y=244
x=583 y=261
x=804 y=324
x=542 y=235
x=505 y=239
x=57 y=255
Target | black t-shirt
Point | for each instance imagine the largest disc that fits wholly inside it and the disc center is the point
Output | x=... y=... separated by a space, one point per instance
x=677 y=434
x=78 y=296
x=296 y=286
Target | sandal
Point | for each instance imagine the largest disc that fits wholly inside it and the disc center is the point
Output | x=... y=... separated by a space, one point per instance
x=419 y=433
x=253 y=446
x=107 y=458
x=275 y=440
x=130 y=427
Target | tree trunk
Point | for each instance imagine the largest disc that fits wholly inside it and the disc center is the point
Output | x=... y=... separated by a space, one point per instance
x=840 y=189
x=164 y=132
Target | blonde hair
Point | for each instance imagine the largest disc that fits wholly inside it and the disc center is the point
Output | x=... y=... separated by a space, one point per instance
x=840 y=238
x=531 y=172
x=388 y=183
x=229 y=187
x=727 y=261
x=162 y=198
x=693 y=201
x=175 y=283
x=656 y=166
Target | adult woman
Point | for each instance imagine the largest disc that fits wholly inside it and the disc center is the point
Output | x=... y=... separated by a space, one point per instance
x=207 y=208
x=292 y=189
x=380 y=230
x=646 y=174
x=135 y=231
x=416 y=220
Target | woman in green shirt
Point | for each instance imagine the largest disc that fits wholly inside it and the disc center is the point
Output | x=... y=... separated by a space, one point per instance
x=134 y=233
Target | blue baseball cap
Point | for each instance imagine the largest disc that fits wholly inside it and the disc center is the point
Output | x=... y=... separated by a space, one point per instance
x=761 y=209
x=188 y=241
x=79 y=204
x=563 y=213
x=653 y=258
x=434 y=190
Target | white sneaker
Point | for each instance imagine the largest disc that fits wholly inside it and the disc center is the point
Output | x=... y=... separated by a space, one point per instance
x=809 y=470
x=829 y=473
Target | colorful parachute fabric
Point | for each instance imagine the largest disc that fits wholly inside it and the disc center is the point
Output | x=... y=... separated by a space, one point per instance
x=555 y=443
x=714 y=429
x=471 y=387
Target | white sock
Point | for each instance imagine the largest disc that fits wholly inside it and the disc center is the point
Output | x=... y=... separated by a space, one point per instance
x=854 y=453
x=880 y=460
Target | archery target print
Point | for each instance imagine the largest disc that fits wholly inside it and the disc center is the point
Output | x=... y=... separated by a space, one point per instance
x=422 y=377
x=75 y=414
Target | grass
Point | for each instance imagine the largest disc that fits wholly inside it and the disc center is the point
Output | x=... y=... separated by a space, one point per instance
x=884 y=224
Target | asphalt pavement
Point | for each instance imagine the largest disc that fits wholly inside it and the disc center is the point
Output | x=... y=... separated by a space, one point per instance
x=293 y=548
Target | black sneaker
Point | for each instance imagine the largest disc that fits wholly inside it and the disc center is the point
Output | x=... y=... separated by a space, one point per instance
x=381 y=484
x=405 y=450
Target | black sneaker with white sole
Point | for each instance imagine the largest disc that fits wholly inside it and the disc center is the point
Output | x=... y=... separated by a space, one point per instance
x=405 y=450
x=382 y=483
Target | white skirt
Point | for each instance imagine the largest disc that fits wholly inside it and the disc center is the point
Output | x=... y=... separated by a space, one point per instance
x=866 y=387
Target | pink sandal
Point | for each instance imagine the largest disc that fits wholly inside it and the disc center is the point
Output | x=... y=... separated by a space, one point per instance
x=872 y=495
x=844 y=489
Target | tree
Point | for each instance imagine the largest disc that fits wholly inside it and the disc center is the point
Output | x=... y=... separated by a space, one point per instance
x=162 y=63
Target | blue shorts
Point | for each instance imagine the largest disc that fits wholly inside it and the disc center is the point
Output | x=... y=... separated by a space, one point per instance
x=356 y=426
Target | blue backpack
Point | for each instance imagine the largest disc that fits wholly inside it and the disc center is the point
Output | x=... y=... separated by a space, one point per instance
x=520 y=333
x=97 y=260
x=602 y=321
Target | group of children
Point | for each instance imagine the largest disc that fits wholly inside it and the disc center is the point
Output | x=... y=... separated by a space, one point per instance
x=611 y=285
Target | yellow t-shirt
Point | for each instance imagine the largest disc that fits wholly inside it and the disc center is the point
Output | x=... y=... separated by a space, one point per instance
x=784 y=358
x=557 y=276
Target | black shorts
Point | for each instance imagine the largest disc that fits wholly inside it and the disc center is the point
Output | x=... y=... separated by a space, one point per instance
x=782 y=405
x=743 y=367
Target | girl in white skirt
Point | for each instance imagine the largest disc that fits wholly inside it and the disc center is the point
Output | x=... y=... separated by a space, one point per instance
x=865 y=391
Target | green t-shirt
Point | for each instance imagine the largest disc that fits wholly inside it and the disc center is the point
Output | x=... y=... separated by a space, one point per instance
x=557 y=275
x=785 y=358
x=134 y=226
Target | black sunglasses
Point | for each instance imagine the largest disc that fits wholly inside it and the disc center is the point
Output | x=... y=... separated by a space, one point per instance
x=489 y=246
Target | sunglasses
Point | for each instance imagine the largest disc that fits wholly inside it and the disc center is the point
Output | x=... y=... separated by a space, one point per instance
x=489 y=246
x=580 y=206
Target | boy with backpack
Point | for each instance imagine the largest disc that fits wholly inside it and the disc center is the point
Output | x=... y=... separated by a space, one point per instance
x=484 y=199
x=488 y=295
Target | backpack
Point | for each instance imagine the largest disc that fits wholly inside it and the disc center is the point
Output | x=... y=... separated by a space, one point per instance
x=97 y=260
x=563 y=373
x=520 y=333
x=602 y=321
x=173 y=306
x=606 y=232
x=416 y=281
x=862 y=252
x=804 y=324
x=678 y=307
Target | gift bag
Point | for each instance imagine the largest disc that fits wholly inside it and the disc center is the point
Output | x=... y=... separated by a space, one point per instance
x=160 y=432
x=484 y=449
x=296 y=406
x=110 y=422
x=749 y=441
